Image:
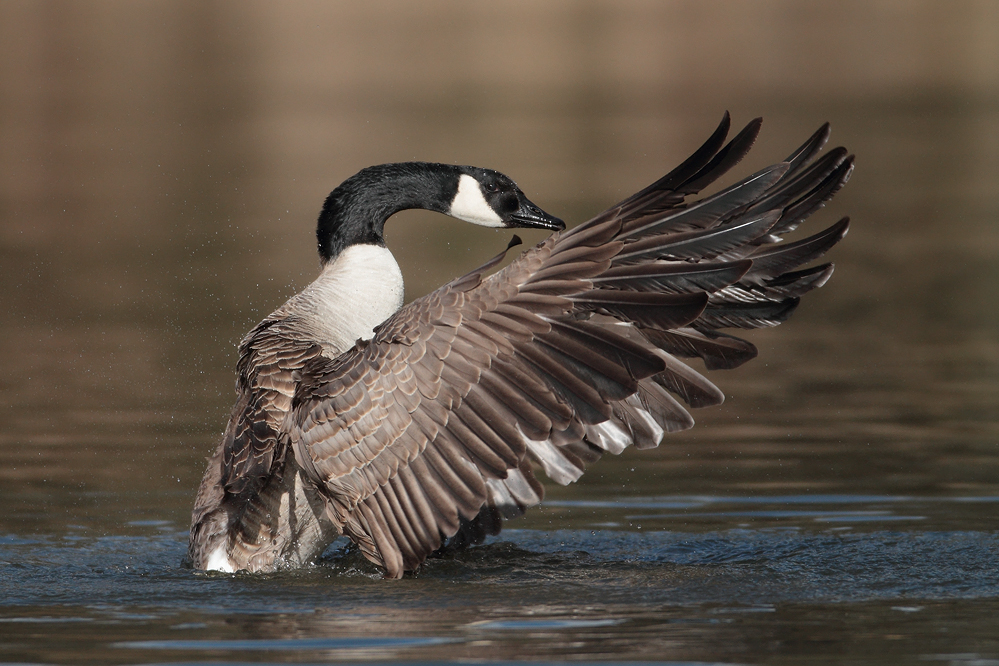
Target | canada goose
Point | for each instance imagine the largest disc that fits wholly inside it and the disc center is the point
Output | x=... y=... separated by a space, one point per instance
x=403 y=427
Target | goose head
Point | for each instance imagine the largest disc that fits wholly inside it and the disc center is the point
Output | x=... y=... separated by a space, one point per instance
x=356 y=211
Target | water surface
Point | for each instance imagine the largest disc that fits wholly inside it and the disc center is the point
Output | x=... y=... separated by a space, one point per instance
x=162 y=168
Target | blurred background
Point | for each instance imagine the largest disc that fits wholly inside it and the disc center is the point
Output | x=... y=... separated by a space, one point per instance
x=162 y=165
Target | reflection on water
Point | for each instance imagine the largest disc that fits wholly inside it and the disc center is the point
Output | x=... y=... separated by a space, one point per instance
x=160 y=172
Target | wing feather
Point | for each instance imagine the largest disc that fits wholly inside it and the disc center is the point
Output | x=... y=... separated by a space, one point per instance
x=428 y=431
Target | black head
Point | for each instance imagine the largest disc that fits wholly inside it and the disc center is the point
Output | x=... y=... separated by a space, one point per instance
x=491 y=199
x=356 y=211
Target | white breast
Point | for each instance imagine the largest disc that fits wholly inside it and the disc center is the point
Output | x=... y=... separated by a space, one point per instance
x=358 y=290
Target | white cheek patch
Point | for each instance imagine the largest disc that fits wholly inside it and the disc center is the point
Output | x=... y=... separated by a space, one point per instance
x=469 y=204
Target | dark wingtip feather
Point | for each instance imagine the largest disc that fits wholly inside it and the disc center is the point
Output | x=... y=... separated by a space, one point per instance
x=812 y=146
x=725 y=159
x=797 y=283
x=746 y=315
x=652 y=309
x=817 y=197
x=718 y=350
x=694 y=164
x=773 y=260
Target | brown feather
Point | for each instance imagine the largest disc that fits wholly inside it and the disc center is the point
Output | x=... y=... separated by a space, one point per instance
x=426 y=432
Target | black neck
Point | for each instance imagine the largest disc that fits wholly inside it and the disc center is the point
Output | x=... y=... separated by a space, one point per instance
x=356 y=211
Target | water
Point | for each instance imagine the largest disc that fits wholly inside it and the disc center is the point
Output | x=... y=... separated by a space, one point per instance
x=838 y=577
x=162 y=169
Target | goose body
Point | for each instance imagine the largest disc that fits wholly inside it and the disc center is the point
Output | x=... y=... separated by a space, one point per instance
x=405 y=427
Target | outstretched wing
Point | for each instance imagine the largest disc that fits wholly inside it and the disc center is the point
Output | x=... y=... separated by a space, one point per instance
x=568 y=352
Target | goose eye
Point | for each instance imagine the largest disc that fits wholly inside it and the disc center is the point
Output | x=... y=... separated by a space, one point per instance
x=491 y=187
